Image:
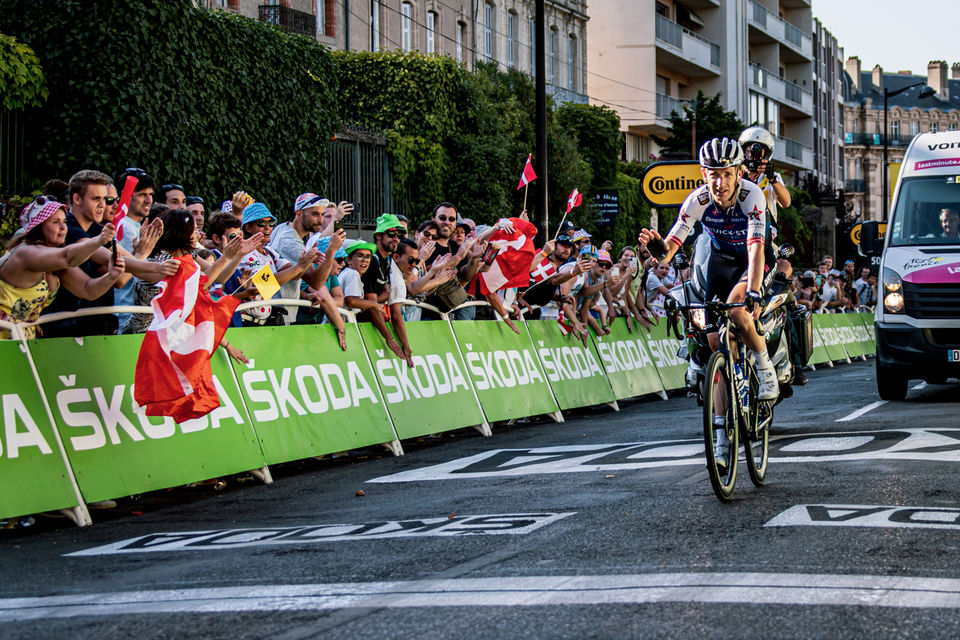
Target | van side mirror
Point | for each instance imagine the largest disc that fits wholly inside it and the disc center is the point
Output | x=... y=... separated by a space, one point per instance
x=870 y=242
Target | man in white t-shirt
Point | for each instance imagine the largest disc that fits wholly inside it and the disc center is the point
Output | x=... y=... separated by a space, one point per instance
x=658 y=285
x=137 y=211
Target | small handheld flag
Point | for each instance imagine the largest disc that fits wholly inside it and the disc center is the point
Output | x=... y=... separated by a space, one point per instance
x=265 y=282
x=528 y=174
x=123 y=204
x=574 y=200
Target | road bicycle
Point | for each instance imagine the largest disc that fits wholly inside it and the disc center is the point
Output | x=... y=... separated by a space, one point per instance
x=730 y=386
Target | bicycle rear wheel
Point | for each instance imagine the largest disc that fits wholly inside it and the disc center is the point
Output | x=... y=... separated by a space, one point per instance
x=722 y=469
x=756 y=432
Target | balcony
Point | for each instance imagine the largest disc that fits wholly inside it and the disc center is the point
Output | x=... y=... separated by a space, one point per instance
x=792 y=153
x=666 y=105
x=855 y=186
x=780 y=30
x=686 y=51
x=562 y=95
x=876 y=139
x=790 y=94
x=290 y=20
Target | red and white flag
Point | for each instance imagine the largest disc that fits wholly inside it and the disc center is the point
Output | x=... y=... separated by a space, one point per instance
x=543 y=271
x=173 y=376
x=574 y=200
x=528 y=175
x=123 y=204
x=511 y=267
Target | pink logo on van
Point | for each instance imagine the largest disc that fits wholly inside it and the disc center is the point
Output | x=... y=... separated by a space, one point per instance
x=942 y=274
x=934 y=164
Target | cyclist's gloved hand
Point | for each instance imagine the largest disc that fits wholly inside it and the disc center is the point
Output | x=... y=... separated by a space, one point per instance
x=657 y=248
x=753 y=299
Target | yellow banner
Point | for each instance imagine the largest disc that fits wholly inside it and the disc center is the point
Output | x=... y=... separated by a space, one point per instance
x=667 y=184
x=855 y=232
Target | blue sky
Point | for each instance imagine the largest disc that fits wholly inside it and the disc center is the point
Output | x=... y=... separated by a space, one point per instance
x=896 y=35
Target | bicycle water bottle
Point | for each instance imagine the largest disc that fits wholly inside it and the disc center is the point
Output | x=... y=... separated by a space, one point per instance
x=741 y=386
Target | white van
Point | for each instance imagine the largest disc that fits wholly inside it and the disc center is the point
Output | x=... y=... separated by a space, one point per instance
x=918 y=310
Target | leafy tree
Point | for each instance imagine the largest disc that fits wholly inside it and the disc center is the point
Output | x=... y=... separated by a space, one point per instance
x=712 y=122
x=21 y=76
x=597 y=132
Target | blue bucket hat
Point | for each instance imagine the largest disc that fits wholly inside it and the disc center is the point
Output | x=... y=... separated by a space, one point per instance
x=257 y=211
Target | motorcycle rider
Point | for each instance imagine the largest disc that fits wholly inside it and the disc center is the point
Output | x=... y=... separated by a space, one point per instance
x=733 y=212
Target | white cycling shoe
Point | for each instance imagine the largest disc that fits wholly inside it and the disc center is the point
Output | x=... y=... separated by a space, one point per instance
x=769 y=387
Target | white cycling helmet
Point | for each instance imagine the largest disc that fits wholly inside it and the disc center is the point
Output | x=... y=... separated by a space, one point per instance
x=720 y=153
x=758 y=145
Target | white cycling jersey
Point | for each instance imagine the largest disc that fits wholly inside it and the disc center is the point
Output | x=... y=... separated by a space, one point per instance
x=731 y=231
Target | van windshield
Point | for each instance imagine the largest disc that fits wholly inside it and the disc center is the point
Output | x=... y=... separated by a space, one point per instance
x=928 y=212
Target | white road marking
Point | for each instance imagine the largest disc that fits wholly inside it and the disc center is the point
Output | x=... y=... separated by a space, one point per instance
x=859 y=412
x=875 y=516
x=524 y=591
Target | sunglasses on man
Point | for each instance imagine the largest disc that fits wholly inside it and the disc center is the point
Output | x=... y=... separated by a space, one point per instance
x=172 y=187
x=111 y=200
x=393 y=233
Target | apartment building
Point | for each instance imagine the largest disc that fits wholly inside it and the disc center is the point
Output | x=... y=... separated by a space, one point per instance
x=907 y=115
x=466 y=30
x=648 y=56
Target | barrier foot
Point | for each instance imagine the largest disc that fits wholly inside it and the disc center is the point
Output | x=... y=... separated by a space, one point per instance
x=848 y=360
x=863 y=358
x=262 y=474
x=557 y=416
x=813 y=367
x=78 y=515
x=613 y=405
x=663 y=394
x=484 y=429
x=830 y=362
x=393 y=447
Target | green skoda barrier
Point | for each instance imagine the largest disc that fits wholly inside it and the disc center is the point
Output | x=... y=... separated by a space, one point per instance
x=827 y=323
x=573 y=371
x=306 y=396
x=116 y=452
x=869 y=331
x=433 y=396
x=820 y=353
x=627 y=361
x=663 y=348
x=504 y=369
x=855 y=338
x=33 y=475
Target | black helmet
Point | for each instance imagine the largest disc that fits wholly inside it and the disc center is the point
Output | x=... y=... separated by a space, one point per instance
x=720 y=153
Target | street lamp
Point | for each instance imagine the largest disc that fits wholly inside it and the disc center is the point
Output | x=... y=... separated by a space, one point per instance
x=926 y=92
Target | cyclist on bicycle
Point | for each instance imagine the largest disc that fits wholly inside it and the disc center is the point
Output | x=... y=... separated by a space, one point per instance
x=733 y=213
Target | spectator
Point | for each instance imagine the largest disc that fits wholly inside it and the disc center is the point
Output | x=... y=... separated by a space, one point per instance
x=224 y=227
x=289 y=241
x=595 y=281
x=808 y=292
x=359 y=255
x=872 y=291
x=657 y=286
x=861 y=286
x=570 y=290
x=58 y=189
x=405 y=222
x=828 y=261
x=258 y=219
x=332 y=214
x=137 y=211
x=832 y=292
x=383 y=281
x=447 y=297
x=546 y=275
x=110 y=203
x=419 y=281
x=327 y=311
x=173 y=195
x=622 y=276
x=195 y=207
x=37 y=263
x=464 y=229
x=580 y=239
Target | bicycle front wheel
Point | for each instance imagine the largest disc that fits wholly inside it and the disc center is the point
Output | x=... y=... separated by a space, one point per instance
x=719 y=421
x=756 y=433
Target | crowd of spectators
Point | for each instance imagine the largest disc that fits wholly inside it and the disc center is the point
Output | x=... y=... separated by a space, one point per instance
x=64 y=258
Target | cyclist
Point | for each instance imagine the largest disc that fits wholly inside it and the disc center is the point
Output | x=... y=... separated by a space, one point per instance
x=733 y=213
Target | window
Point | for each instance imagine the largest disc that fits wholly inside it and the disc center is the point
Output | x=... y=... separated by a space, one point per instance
x=554 y=47
x=511 y=39
x=431 y=31
x=953 y=126
x=460 y=27
x=859 y=169
x=489 y=18
x=406 y=30
x=662 y=10
x=895 y=129
x=374 y=25
x=914 y=127
x=934 y=126
x=533 y=46
x=572 y=63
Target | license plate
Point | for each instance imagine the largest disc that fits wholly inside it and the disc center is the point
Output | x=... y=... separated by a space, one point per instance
x=953 y=355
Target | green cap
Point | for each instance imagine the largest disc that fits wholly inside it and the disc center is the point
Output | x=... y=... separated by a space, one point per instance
x=369 y=246
x=388 y=221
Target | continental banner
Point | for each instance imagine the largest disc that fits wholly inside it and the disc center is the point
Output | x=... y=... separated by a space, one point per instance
x=116 y=451
x=573 y=370
x=826 y=323
x=626 y=358
x=32 y=472
x=671 y=368
x=434 y=395
x=504 y=369
x=306 y=396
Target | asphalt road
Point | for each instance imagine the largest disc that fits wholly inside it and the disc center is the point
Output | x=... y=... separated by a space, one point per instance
x=604 y=526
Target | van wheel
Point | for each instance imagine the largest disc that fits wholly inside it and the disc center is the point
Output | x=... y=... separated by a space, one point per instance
x=890 y=385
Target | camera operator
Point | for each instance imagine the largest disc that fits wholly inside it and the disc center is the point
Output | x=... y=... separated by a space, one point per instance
x=808 y=294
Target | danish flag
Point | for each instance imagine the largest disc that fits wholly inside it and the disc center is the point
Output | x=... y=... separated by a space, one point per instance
x=511 y=267
x=543 y=271
x=528 y=175
x=574 y=200
x=124 y=204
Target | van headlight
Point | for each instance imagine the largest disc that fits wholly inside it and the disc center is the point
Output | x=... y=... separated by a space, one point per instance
x=892 y=291
x=699 y=318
